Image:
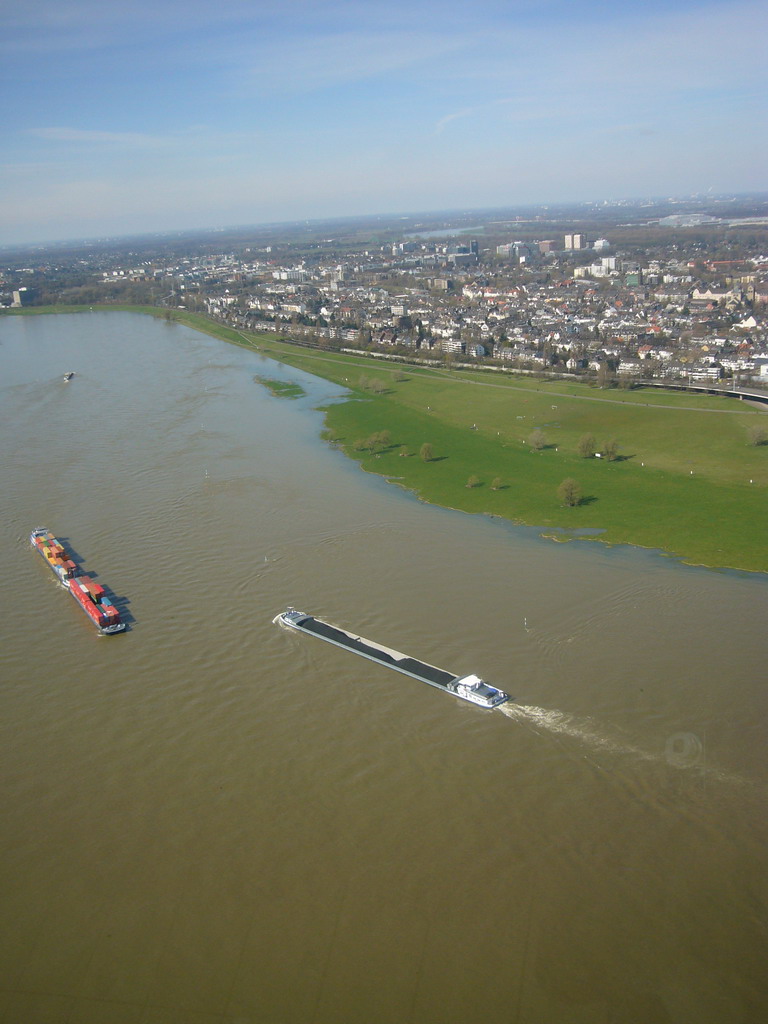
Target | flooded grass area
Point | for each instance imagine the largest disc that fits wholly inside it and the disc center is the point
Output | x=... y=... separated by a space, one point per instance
x=281 y=388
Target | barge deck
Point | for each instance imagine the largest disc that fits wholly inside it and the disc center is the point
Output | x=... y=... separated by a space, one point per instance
x=470 y=688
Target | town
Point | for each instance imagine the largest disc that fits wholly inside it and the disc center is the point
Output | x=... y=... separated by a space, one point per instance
x=619 y=292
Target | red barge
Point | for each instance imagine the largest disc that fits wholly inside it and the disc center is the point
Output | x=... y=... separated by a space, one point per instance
x=89 y=595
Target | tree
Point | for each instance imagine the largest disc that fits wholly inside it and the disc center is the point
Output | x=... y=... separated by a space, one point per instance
x=587 y=446
x=605 y=376
x=377 y=442
x=611 y=450
x=537 y=440
x=569 y=492
x=496 y=485
x=426 y=452
x=474 y=481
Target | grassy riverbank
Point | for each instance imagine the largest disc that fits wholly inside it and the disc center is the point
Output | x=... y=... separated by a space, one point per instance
x=686 y=480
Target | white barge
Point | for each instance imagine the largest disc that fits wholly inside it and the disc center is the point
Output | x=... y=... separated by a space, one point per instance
x=470 y=688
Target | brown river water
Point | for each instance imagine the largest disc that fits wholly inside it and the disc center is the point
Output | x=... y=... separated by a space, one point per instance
x=210 y=819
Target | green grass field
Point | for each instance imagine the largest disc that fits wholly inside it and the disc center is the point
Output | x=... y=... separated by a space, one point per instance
x=686 y=480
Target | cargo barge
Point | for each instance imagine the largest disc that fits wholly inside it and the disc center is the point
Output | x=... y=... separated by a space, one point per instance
x=89 y=595
x=470 y=688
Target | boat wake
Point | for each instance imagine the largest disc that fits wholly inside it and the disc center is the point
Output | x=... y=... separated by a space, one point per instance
x=682 y=750
x=582 y=729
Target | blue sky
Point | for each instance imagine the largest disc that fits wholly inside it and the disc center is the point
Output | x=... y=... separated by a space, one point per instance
x=160 y=116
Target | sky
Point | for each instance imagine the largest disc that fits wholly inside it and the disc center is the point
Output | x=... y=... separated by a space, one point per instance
x=159 y=116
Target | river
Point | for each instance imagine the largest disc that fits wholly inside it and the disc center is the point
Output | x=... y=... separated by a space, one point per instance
x=210 y=819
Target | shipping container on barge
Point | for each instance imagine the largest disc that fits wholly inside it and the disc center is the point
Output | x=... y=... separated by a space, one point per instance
x=89 y=595
x=470 y=688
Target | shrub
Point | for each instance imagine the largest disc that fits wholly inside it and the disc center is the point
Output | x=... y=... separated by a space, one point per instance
x=757 y=435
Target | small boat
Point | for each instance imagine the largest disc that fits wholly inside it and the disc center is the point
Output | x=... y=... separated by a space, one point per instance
x=69 y=375
x=470 y=688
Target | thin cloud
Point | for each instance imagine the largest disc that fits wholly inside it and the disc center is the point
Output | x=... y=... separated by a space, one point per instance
x=457 y=116
x=342 y=58
x=509 y=110
x=80 y=135
x=631 y=129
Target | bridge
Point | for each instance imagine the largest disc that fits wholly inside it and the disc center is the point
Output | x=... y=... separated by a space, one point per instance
x=744 y=394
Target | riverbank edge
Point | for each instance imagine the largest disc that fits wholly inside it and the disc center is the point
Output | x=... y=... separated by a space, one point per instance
x=258 y=342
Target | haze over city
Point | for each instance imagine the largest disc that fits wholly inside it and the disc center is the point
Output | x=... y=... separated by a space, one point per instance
x=167 y=116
